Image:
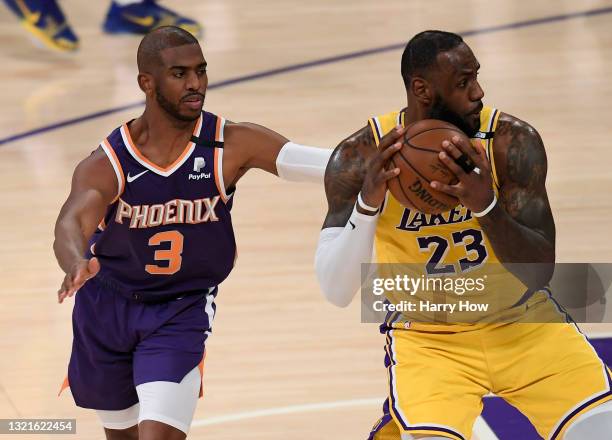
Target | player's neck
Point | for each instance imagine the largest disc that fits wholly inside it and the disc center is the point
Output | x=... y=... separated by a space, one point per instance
x=156 y=129
x=159 y=138
x=415 y=112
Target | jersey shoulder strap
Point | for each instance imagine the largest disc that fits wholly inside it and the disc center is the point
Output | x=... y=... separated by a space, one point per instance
x=383 y=124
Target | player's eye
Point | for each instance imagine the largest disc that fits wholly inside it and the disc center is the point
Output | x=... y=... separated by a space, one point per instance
x=201 y=72
x=462 y=84
x=178 y=74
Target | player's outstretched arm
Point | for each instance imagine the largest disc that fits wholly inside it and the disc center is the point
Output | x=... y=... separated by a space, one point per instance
x=356 y=172
x=94 y=187
x=520 y=225
x=255 y=146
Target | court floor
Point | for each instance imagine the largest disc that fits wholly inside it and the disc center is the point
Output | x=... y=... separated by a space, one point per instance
x=282 y=362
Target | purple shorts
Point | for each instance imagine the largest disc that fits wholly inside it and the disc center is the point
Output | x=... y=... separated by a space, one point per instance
x=120 y=343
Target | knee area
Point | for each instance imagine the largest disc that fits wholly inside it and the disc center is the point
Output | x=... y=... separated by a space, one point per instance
x=121 y=420
x=170 y=403
x=595 y=423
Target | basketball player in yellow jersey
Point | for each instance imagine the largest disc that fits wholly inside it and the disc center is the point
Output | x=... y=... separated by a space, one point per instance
x=438 y=372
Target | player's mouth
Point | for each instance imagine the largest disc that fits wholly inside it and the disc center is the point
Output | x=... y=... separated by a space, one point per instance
x=194 y=101
x=476 y=111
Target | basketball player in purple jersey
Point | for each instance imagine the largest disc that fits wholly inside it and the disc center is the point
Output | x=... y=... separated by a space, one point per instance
x=146 y=237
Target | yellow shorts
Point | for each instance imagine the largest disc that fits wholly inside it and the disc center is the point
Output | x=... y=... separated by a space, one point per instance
x=438 y=377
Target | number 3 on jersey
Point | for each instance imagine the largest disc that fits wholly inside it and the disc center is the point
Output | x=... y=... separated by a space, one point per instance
x=173 y=256
x=470 y=239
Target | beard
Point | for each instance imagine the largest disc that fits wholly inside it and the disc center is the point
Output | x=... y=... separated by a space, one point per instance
x=439 y=110
x=173 y=109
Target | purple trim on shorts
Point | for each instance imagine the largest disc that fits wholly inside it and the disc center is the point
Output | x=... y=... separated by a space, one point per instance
x=436 y=428
x=386 y=419
x=392 y=362
x=577 y=410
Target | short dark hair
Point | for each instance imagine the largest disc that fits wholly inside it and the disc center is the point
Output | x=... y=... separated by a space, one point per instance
x=421 y=51
x=164 y=37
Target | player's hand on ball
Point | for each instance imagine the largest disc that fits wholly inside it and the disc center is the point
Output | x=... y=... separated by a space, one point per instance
x=474 y=189
x=374 y=185
x=74 y=280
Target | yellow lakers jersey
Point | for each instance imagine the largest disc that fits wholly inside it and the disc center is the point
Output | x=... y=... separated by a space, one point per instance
x=443 y=249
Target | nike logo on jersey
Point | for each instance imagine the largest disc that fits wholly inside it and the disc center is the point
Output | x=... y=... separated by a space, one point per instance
x=352 y=224
x=130 y=179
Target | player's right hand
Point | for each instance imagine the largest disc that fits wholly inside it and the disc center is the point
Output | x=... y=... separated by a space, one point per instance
x=374 y=185
x=81 y=271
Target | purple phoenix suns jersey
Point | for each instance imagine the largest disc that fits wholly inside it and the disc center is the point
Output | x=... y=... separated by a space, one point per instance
x=169 y=231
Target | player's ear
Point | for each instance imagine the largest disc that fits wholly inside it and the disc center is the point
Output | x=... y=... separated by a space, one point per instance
x=421 y=90
x=145 y=82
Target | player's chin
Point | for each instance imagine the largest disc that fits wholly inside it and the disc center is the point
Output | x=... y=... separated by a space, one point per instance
x=190 y=113
x=472 y=124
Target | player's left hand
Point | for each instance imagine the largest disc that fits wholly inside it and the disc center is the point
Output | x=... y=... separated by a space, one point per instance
x=81 y=271
x=474 y=189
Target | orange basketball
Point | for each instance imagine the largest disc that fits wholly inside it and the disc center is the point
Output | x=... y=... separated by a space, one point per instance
x=419 y=165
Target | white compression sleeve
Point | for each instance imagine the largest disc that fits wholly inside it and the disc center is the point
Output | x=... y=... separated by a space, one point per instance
x=121 y=419
x=300 y=163
x=170 y=403
x=339 y=255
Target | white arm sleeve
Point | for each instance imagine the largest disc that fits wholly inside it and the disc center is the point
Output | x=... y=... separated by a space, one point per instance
x=300 y=163
x=339 y=255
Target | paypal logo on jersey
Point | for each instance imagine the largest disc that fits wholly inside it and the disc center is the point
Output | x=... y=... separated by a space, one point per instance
x=198 y=164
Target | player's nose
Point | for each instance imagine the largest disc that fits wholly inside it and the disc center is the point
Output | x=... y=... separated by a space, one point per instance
x=477 y=93
x=193 y=81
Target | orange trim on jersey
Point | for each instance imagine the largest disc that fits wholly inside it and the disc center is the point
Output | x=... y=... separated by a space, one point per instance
x=217 y=181
x=153 y=165
x=102 y=225
x=201 y=368
x=65 y=384
x=115 y=159
x=218 y=129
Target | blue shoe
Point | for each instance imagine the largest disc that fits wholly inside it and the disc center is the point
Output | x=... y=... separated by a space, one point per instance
x=46 y=22
x=143 y=17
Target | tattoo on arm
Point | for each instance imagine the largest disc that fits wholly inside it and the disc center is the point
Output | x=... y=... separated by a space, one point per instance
x=523 y=191
x=344 y=175
x=529 y=234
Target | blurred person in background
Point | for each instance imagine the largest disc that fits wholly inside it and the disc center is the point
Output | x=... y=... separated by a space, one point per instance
x=46 y=22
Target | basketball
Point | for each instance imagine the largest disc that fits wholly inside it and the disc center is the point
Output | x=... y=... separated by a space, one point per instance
x=419 y=165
